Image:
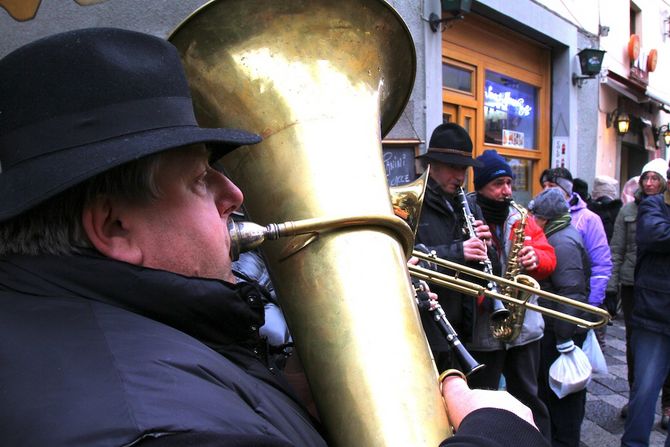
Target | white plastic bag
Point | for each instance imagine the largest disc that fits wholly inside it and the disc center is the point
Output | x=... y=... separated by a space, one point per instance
x=571 y=372
x=591 y=348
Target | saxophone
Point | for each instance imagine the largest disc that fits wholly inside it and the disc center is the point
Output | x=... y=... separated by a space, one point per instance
x=509 y=328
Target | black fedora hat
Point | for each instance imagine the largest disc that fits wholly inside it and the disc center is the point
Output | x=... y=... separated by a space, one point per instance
x=79 y=103
x=450 y=144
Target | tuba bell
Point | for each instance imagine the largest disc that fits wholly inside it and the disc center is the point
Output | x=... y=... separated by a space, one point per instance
x=321 y=81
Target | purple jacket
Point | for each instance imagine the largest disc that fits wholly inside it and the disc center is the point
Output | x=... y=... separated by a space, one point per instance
x=591 y=229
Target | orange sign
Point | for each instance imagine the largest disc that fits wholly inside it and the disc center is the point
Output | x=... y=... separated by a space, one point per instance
x=651 y=60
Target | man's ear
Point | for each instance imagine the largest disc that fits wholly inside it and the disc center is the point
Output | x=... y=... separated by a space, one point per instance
x=106 y=228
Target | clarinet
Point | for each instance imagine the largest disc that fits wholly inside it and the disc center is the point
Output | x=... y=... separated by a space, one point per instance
x=465 y=359
x=499 y=311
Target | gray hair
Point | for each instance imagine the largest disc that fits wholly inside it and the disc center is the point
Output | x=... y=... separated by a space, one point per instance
x=55 y=226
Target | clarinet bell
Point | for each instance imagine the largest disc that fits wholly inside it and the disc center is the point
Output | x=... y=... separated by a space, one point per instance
x=498 y=311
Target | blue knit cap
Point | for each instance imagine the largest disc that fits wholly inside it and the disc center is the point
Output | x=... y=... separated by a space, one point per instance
x=493 y=166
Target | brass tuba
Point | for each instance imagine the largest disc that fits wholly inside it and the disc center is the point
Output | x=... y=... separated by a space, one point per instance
x=321 y=81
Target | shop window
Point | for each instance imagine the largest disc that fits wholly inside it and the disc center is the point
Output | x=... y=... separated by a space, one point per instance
x=510 y=112
x=457 y=77
x=521 y=187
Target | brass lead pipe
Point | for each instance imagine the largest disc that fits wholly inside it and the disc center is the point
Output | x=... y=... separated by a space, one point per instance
x=248 y=235
x=473 y=289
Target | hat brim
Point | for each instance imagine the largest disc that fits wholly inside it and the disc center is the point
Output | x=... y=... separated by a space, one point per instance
x=452 y=159
x=25 y=185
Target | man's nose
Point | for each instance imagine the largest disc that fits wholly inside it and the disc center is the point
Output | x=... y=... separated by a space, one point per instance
x=229 y=197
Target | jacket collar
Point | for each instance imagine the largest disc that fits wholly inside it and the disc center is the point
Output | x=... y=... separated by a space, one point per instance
x=215 y=312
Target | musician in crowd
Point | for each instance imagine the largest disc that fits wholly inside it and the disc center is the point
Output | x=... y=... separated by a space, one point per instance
x=122 y=322
x=650 y=320
x=441 y=229
x=570 y=279
x=591 y=229
x=514 y=349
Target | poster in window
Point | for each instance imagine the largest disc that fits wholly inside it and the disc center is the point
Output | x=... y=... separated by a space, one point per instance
x=513 y=138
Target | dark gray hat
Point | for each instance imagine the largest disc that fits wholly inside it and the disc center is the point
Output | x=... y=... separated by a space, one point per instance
x=549 y=204
x=79 y=103
x=450 y=144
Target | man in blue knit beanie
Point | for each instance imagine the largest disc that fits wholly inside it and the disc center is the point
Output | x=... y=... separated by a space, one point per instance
x=517 y=356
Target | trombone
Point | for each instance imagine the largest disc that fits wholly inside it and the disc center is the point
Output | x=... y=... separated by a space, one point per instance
x=470 y=288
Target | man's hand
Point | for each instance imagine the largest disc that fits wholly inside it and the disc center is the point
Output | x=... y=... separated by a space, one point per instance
x=483 y=231
x=528 y=258
x=474 y=249
x=461 y=401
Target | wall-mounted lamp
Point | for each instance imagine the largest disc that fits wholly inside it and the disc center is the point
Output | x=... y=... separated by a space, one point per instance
x=455 y=7
x=620 y=119
x=664 y=131
x=590 y=63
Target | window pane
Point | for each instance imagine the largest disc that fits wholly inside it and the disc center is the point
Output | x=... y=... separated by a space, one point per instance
x=521 y=188
x=457 y=78
x=510 y=112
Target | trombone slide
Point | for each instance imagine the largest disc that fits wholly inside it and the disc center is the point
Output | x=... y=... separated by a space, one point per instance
x=473 y=289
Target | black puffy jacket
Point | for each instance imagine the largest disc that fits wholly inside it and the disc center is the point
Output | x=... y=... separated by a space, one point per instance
x=441 y=229
x=95 y=352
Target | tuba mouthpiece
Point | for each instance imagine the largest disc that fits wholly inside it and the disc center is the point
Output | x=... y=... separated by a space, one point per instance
x=245 y=236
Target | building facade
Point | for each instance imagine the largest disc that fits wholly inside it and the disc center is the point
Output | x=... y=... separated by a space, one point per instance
x=509 y=72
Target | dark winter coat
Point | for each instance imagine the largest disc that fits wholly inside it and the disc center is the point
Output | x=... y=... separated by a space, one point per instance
x=607 y=209
x=570 y=279
x=652 y=270
x=623 y=248
x=441 y=229
x=96 y=352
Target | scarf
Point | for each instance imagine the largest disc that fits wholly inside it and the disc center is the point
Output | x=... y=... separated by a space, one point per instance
x=495 y=211
x=557 y=224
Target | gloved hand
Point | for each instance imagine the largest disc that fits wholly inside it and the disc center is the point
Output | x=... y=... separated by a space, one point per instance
x=611 y=303
x=565 y=347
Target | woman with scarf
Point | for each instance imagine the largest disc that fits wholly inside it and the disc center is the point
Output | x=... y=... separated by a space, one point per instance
x=569 y=279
